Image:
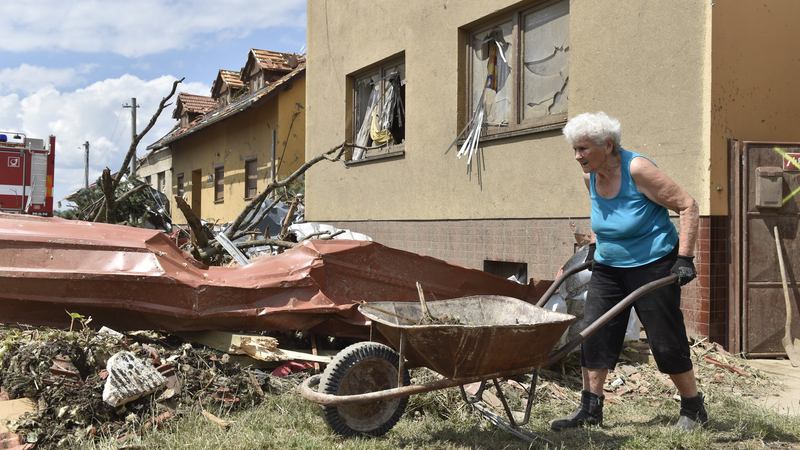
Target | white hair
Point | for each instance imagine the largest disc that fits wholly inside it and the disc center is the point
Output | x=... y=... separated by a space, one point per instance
x=598 y=127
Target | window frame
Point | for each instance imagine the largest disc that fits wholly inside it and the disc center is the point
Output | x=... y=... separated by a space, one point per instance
x=518 y=125
x=181 y=187
x=253 y=160
x=161 y=182
x=219 y=183
x=380 y=69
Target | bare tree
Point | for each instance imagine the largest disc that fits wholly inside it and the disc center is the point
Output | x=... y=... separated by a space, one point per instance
x=110 y=185
x=247 y=219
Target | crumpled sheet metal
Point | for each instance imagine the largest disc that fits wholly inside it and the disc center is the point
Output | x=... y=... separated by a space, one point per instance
x=129 y=278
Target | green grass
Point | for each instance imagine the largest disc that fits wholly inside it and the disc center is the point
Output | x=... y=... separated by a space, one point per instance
x=441 y=420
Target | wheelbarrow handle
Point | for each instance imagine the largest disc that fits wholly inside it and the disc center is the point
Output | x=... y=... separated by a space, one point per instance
x=613 y=312
x=559 y=280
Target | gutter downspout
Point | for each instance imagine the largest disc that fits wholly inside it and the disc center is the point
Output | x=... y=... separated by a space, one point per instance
x=272 y=164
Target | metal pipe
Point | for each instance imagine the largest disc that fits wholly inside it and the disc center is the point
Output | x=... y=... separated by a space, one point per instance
x=559 y=280
x=274 y=152
x=24 y=155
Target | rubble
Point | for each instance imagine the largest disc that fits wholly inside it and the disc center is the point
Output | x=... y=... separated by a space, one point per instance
x=60 y=378
x=129 y=378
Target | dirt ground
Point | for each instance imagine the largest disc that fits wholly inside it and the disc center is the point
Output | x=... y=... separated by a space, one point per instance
x=780 y=370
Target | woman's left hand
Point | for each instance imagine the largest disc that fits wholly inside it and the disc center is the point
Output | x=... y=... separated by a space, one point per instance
x=684 y=268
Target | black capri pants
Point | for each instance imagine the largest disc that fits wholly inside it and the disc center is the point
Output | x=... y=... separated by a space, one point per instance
x=658 y=310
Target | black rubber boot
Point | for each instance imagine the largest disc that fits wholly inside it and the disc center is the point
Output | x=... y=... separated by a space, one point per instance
x=693 y=413
x=589 y=413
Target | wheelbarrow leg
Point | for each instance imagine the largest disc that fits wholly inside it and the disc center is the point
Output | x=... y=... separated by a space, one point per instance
x=510 y=425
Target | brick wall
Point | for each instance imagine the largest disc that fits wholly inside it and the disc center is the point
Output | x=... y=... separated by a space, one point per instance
x=543 y=244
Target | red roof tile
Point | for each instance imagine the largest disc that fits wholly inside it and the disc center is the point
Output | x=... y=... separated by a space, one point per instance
x=189 y=103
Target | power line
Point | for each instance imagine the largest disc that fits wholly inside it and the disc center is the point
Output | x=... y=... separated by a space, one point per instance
x=108 y=146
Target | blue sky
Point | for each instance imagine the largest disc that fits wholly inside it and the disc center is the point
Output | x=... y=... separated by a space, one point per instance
x=66 y=68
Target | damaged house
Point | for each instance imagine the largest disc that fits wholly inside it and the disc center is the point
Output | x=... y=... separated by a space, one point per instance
x=226 y=148
x=697 y=86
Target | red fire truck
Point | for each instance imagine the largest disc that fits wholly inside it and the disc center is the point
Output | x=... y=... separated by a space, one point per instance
x=26 y=174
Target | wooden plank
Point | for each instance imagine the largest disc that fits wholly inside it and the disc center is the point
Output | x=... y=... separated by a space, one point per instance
x=258 y=347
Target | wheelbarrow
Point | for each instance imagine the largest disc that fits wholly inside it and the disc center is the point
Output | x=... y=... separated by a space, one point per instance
x=365 y=388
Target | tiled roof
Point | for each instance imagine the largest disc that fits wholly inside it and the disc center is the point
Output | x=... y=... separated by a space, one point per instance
x=189 y=103
x=232 y=78
x=269 y=61
x=234 y=108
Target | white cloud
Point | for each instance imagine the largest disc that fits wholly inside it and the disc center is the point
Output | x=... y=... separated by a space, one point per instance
x=28 y=79
x=92 y=114
x=138 y=28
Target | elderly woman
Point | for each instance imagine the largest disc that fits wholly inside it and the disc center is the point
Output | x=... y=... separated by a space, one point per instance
x=635 y=243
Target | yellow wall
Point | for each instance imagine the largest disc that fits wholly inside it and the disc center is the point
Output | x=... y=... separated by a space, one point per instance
x=231 y=142
x=756 y=67
x=643 y=61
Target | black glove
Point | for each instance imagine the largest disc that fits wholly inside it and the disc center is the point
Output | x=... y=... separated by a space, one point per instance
x=590 y=255
x=684 y=268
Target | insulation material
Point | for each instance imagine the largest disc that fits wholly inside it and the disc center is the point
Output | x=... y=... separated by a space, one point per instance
x=546 y=61
x=367 y=95
x=491 y=69
x=381 y=116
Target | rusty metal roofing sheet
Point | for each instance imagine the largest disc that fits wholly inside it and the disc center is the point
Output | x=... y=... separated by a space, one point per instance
x=131 y=278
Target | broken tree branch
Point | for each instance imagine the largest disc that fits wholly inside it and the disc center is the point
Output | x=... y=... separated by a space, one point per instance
x=111 y=199
x=334 y=154
x=200 y=232
x=108 y=191
x=287 y=181
x=257 y=220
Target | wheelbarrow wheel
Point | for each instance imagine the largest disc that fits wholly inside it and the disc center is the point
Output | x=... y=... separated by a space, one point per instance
x=359 y=369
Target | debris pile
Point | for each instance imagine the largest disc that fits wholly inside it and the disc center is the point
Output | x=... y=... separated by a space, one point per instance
x=85 y=384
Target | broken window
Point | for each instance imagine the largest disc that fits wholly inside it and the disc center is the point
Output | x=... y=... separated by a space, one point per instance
x=219 y=183
x=546 y=61
x=379 y=109
x=162 y=182
x=519 y=70
x=250 y=178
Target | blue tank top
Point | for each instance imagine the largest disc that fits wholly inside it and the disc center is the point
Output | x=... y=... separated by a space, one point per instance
x=630 y=229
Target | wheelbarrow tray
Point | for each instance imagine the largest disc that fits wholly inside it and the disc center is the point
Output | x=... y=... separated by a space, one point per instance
x=493 y=334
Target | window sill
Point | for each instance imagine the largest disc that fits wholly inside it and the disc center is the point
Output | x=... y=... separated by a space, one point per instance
x=219 y=201
x=515 y=133
x=389 y=155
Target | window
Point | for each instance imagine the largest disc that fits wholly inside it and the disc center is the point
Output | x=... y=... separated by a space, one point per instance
x=181 y=188
x=258 y=81
x=519 y=69
x=250 y=178
x=219 y=183
x=147 y=179
x=162 y=182
x=378 y=119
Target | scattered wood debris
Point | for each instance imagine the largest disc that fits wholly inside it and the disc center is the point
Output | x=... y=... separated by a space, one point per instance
x=60 y=378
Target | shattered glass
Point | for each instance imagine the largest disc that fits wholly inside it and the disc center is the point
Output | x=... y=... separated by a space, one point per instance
x=491 y=68
x=367 y=96
x=545 y=61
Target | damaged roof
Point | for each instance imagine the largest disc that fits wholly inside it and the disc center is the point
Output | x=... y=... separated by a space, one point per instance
x=193 y=104
x=269 y=61
x=230 y=78
x=251 y=99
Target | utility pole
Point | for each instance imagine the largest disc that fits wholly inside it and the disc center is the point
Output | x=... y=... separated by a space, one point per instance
x=133 y=107
x=86 y=164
